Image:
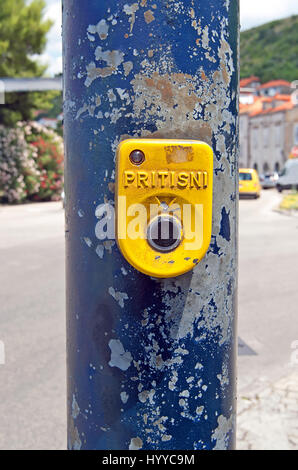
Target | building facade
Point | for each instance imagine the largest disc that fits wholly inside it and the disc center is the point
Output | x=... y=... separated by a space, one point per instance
x=266 y=142
x=291 y=130
x=268 y=127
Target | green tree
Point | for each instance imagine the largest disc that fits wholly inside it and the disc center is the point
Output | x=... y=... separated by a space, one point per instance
x=23 y=34
x=270 y=51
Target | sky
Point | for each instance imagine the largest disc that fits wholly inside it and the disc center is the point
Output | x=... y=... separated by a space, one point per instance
x=252 y=13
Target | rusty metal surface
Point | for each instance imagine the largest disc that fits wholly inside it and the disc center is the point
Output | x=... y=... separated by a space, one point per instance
x=151 y=363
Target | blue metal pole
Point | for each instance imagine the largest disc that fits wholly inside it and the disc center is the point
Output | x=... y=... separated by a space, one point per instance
x=151 y=362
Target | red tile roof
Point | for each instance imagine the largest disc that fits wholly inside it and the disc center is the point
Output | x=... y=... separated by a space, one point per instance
x=282 y=107
x=275 y=83
x=267 y=105
x=247 y=81
x=277 y=109
x=283 y=97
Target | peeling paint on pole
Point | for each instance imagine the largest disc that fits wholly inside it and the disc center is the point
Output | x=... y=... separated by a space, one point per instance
x=162 y=351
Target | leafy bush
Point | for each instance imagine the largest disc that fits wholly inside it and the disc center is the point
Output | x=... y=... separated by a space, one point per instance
x=31 y=163
x=49 y=147
x=19 y=174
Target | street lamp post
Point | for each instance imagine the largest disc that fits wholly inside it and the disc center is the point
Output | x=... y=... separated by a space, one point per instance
x=151 y=362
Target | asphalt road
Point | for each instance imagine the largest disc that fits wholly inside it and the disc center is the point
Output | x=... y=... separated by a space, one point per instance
x=268 y=293
x=32 y=327
x=32 y=321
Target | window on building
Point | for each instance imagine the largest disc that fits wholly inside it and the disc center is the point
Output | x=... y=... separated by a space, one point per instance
x=265 y=167
x=277 y=167
x=255 y=166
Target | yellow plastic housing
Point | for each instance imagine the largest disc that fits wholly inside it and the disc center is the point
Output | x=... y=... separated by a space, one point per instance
x=175 y=179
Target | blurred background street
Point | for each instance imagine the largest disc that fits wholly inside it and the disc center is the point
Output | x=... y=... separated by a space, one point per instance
x=32 y=326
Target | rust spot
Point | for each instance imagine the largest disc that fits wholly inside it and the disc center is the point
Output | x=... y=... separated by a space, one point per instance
x=149 y=17
x=94 y=72
x=203 y=75
x=179 y=154
x=168 y=90
x=172 y=100
x=163 y=86
x=223 y=52
x=111 y=187
x=198 y=130
x=225 y=75
x=105 y=72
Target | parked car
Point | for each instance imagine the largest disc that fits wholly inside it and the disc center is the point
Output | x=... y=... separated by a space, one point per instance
x=269 y=180
x=288 y=178
x=249 y=184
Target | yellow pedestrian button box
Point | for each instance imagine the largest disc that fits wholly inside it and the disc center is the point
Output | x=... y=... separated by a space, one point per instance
x=164 y=204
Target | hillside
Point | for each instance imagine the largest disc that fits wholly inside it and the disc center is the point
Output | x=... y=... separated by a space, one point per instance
x=270 y=51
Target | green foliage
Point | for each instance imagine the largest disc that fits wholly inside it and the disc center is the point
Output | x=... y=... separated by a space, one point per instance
x=270 y=51
x=21 y=106
x=56 y=106
x=22 y=36
x=290 y=202
x=54 y=111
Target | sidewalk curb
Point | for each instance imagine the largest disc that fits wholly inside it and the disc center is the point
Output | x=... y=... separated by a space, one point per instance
x=268 y=420
x=288 y=213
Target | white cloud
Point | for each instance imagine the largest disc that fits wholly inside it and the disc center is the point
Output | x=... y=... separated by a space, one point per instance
x=257 y=12
x=252 y=13
x=53 y=53
x=53 y=63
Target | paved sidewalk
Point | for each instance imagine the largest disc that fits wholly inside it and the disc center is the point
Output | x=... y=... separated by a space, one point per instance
x=269 y=420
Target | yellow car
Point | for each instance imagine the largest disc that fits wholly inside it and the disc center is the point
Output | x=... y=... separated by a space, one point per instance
x=249 y=184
